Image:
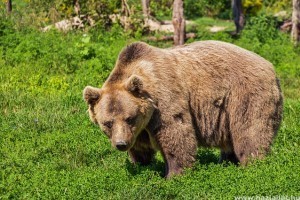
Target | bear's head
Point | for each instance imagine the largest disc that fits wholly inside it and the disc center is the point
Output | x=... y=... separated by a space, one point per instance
x=121 y=110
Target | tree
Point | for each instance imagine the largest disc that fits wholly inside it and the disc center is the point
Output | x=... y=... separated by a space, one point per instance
x=146 y=8
x=238 y=15
x=125 y=8
x=76 y=7
x=8 y=6
x=178 y=22
x=296 y=22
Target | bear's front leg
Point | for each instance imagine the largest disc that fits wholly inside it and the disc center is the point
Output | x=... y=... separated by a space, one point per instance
x=178 y=146
x=143 y=156
x=142 y=151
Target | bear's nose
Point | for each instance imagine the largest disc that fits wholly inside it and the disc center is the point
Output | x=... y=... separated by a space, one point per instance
x=121 y=145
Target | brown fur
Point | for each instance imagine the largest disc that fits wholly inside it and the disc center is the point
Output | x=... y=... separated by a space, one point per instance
x=209 y=93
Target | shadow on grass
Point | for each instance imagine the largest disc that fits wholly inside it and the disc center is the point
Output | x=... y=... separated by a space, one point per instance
x=204 y=157
x=156 y=166
x=207 y=156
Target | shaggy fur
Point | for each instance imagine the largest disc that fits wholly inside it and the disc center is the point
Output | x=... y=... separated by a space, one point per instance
x=209 y=93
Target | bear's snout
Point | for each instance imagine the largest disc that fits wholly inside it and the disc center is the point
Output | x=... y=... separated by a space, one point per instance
x=122 y=136
x=121 y=145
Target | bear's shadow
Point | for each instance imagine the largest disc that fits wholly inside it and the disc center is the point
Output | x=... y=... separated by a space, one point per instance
x=207 y=156
x=204 y=157
x=156 y=166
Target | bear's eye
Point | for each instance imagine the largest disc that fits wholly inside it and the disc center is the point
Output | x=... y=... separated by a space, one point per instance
x=130 y=120
x=108 y=124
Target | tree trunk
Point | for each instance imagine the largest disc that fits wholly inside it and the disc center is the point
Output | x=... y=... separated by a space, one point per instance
x=125 y=12
x=238 y=15
x=76 y=7
x=146 y=8
x=125 y=8
x=296 y=22
x=178 y=22
x=9 y=6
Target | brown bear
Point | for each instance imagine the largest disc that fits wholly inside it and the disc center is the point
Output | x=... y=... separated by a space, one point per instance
x=209 y=93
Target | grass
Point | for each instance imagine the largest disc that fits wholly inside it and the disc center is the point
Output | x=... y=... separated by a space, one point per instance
x=204 y=23
x=50 y=150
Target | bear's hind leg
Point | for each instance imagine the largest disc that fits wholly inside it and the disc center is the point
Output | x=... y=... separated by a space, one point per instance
x=253 y=125
x=248 y=148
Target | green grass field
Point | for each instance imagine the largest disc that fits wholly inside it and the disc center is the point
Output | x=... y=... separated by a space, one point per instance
x=49 y=149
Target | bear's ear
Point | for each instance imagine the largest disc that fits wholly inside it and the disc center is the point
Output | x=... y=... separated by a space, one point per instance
x=134 y=84
x=91 y=94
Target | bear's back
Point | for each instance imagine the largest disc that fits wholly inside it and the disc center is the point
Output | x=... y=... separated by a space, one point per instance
x=204 y=64
x=210 y=54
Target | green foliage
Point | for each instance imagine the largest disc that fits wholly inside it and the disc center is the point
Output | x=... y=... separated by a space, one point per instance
x=252 y=7
x=35 y=13
x=261 y=28
x=5 y=27
x=207 y=8
x=275 y=6
x=161 y=9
